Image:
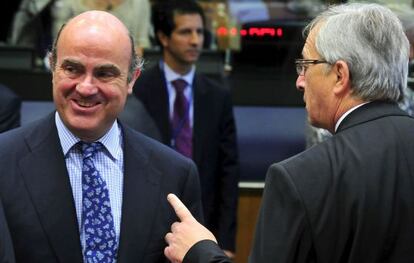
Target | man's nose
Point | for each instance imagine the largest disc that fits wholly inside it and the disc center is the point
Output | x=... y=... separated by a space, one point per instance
x=300 y=83
x=196 y=38
x=87 y=86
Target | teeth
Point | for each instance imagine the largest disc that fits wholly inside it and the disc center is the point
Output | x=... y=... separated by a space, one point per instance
x=85 y=103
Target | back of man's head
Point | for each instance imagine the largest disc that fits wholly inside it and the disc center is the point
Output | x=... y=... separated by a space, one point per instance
x=371 y=40
x=163 y=13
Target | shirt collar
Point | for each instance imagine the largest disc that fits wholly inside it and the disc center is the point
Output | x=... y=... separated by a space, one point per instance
x=171 y=75
x=111 y=140
x=346 y=114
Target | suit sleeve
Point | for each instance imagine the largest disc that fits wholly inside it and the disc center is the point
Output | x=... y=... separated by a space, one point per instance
x=282 y=232
x=205 y=251
x=229 y=178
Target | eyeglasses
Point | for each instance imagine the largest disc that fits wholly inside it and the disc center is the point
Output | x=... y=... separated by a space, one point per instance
x=303 y=64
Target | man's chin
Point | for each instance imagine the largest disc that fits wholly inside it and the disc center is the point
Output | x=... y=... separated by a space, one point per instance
x=192 y=59
x=85 y=128
x=313 y=122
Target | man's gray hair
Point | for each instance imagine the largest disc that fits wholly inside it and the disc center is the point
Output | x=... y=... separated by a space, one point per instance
x=371 y=40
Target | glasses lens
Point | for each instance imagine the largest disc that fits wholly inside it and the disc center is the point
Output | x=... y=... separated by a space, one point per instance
x=299 y=68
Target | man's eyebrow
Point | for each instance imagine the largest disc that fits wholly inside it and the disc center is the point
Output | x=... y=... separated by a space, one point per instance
x=71 y=62
x=186 y=29
x=110 y=67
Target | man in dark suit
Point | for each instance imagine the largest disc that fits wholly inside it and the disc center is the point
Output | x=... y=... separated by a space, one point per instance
x=210 y=139
x=350 y=198
x=6 y=248
x=10 y=105
x=78 y=185
x=136 y=116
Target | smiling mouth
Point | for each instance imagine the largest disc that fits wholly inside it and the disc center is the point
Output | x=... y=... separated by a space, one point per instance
x=86 y=104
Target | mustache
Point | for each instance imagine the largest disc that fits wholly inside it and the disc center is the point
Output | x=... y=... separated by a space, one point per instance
x=86 y=100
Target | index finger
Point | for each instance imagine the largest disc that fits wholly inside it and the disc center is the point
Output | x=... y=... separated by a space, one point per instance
x=180 y=209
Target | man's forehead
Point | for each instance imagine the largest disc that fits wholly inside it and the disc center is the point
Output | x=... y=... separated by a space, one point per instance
x=184 y=17
x=95 y=23
x=309 y=48
x=97 y=17
x=93 y=40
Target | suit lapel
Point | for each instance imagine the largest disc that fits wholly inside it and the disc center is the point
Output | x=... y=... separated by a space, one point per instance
x=46 y=177
x=158 y=102
x=202 y=121
x=140 y=200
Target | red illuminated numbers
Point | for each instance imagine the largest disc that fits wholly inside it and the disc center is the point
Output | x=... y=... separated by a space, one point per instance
x=252 y=32
x=279 y=32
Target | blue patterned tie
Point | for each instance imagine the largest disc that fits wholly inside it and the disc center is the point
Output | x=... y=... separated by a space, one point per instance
x=98 y=223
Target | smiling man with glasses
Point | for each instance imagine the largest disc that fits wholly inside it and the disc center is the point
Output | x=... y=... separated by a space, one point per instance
x=350 y=198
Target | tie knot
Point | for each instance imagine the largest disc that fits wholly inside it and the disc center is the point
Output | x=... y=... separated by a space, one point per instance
x=89 y=149
x=179 y=85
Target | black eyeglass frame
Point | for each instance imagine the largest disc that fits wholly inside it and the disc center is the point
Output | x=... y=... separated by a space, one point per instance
x=301 y=64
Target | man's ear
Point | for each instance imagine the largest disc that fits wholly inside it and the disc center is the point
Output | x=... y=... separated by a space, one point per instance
x=132 y=82
x=343 y=81
x=163 y=38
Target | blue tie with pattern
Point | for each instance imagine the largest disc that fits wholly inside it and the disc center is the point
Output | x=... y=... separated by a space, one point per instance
x=98 y=223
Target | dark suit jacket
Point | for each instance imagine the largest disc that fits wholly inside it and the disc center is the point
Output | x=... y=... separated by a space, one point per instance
x=348 y=199
x=39 y=206
x=6 y=247
x=136 y=116
x=214 y=145
x=10 y=105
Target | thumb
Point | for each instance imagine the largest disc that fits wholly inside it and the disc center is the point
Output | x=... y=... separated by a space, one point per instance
x=180 y=209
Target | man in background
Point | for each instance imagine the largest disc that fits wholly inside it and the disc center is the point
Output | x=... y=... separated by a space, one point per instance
x=193 y=113
x=78 y=185
x=349 y=198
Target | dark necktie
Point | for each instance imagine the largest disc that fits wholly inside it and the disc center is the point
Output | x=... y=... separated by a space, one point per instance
x=181 y=129
x=98 y=223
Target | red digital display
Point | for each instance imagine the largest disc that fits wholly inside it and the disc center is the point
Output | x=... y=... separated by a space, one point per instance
x=256 y=32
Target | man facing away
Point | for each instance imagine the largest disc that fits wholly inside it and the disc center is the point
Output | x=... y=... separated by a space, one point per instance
x=193 y=113
x=350 y=198
x=78 y=185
